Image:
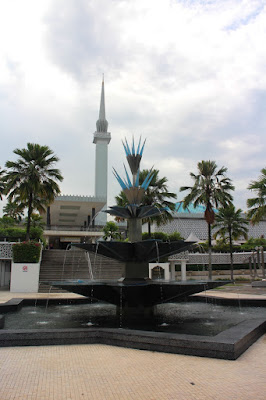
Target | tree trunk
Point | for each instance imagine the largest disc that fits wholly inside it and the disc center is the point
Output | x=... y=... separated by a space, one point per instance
x=262 y=262
x=149 y=228
x=231 y=254
x=29 y=217
x=210 y=252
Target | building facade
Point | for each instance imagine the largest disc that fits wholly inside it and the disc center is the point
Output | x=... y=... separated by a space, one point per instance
x=72 y=218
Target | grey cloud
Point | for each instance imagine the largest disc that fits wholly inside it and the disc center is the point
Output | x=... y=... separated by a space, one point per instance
x=81 y=36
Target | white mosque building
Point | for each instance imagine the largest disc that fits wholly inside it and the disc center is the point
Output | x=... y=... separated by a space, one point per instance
x=81 y=218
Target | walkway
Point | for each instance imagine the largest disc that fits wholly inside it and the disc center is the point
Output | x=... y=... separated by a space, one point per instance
x=104 y=373
x=99 y=372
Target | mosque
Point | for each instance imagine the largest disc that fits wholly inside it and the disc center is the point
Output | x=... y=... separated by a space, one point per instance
x=81 y=218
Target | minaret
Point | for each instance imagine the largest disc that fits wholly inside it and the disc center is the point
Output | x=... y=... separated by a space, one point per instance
x=101 y=138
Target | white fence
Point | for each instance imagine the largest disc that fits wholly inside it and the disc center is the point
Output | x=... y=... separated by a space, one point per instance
x=217 y=258
x=6 y=250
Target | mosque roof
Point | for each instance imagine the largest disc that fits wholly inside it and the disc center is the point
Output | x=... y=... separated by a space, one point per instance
x=190 y=209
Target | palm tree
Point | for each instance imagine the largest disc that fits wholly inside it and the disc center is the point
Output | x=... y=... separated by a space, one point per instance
x=230 y=223
x=211 y=189
x=111 y=231
x=157 y=194
x=36 y=221
x=2 y=183
x=14 y=210
x=257 y=205
x=32 y=178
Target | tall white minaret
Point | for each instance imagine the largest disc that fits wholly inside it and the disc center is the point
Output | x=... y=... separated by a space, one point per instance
x=101 y=138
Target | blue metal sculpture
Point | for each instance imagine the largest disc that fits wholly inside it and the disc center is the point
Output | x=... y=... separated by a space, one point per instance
x=134 y=212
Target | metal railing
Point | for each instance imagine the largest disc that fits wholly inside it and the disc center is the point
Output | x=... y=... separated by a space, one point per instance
x=76 y=228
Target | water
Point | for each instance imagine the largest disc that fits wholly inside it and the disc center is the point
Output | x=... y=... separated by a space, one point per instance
x=185 y=318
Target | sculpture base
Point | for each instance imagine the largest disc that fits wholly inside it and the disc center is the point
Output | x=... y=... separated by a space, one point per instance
x=130 y=315
x=136 y=271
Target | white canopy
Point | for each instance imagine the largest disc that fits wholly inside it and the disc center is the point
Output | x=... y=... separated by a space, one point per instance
x=193 y=238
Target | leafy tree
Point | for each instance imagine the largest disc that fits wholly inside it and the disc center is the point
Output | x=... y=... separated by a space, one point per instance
x=13 y=210
x=211 y=188
x=32 y=179
x=6 y=222
x=111 y=231
x=231 y=225
x=157 y=194
x=257 y=204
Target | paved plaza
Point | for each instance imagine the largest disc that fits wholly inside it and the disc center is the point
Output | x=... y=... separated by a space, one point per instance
x=106 y=372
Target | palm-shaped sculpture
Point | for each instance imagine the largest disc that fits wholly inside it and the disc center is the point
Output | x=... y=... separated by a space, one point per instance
x=230 y=224
x=157 y=194
x=211 y=189
x=257 y=204
x=32 y=179
x=134 y=190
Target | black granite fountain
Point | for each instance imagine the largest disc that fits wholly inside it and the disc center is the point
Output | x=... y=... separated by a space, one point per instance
x=135 y=295
x=139 y=301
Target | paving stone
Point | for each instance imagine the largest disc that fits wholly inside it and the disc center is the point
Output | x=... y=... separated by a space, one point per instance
x=106 y=372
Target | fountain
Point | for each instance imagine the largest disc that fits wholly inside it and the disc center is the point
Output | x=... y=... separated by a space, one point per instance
x=135 y=294
x=137 y=303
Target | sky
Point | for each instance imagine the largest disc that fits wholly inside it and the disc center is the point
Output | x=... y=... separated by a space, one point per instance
x=187 y=75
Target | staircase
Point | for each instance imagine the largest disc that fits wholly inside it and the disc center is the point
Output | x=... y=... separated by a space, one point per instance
x=59 y=265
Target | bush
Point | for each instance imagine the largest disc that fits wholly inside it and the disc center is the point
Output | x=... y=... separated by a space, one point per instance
x=26 y=252
x=145 y=236
x=15 y=233
x=252 y=243
x=162 y=236
x=175 y=236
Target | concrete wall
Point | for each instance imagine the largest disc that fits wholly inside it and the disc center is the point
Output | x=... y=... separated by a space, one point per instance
x=25 y=277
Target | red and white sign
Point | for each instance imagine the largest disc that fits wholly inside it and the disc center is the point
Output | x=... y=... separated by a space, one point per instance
x=25 y=268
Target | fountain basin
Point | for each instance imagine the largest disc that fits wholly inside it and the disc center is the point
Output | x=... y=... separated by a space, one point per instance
x=229 y=343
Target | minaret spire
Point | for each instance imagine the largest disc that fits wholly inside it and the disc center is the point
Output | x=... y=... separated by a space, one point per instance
x=101 y=139
x=102 y=123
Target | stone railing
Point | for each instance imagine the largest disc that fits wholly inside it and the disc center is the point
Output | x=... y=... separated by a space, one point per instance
x=6 y=250
x=76 y=228
x=217 y=258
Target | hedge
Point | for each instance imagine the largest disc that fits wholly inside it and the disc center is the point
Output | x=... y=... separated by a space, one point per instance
x=14 y=233
x=165 y=237
x=26 y=252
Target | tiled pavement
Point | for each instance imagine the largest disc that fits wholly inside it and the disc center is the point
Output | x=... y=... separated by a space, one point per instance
x=105 y=372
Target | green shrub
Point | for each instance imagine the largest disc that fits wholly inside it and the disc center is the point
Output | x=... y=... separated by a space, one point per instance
x=145 y=236
x=13 y=233
x=162 y=236
x=26 y=252
x=175 y=236
x=251 y=243
x=16 y=233
x=36 y=233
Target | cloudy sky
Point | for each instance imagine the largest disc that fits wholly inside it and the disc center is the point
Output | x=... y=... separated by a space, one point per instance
x=188 y=75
